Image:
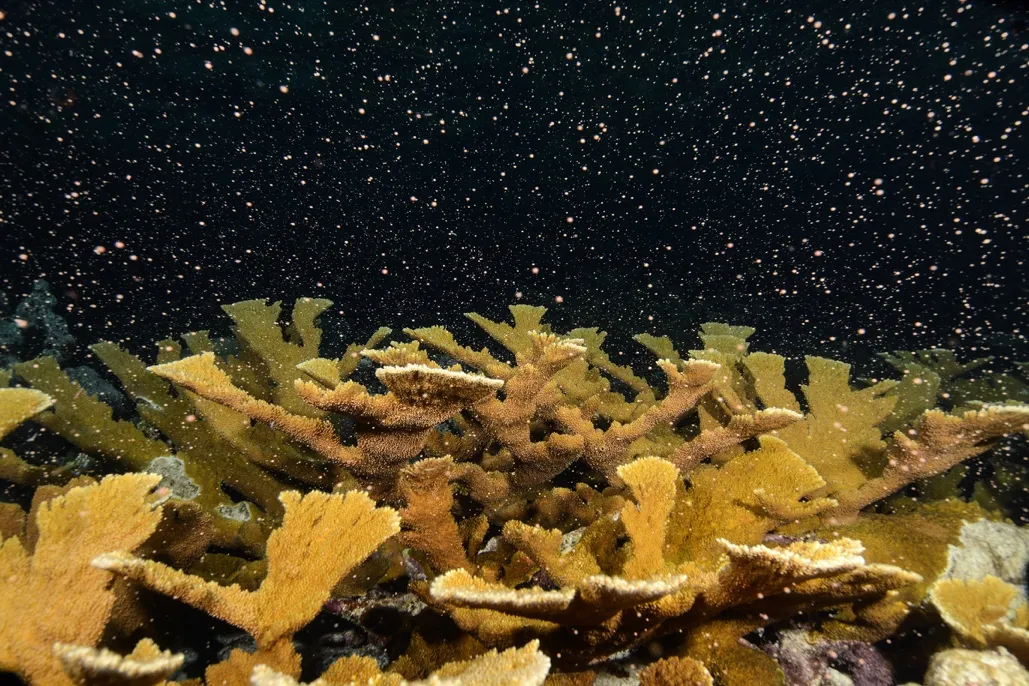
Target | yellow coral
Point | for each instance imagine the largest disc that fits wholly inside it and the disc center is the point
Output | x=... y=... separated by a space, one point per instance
x=983 y=613
x=16 y=406
x=606 y=450
x=304 y=563
x=258 y=331
x=53 y=594
x=19 y=404
x=653 y=482
x=679 y=534
x=839 y=435
x=391 y=428
x=428 y=522
x=743 y=500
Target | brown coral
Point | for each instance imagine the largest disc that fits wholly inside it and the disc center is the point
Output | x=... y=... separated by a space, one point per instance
x=392 y=428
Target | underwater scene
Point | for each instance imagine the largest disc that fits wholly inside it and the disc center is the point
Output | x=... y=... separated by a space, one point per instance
x=500 y=344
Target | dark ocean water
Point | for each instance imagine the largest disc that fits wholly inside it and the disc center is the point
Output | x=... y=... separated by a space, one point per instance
x=845 y=176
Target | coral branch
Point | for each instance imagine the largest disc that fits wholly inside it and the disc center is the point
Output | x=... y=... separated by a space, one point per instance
x=304 y=564
x=653 y=483
x=199 y=374
x=606 y=450
x=429 y=525
x=938 y=442
x=740 y=428
x=54 y=595
x=528 y=392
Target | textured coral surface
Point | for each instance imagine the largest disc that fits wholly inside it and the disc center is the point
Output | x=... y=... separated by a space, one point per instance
x=424 y=510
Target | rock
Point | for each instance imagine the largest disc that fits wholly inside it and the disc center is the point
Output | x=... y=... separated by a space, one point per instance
x=961 y=667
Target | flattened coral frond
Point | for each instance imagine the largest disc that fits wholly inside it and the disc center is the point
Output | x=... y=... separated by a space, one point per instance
x=228 y=603
x=19 y=404
x=146 y=665
x=970 y=606
x=940 y=361
x=840 y=435
x=761 y=583
x=916 y=392
x=333 y=372
x=592 y=339
x=730 y=339
x=515 y=338
x=525 y=666
x=653 y=483
x=263 y=675
x=661 y=346
x=610 y=594
x=258 y=329
x=208 y=457
x=326 y=372
x=352 y=357
x=459 y=588
x=305 y=561
x=438 y=338
x=17 y=470
x=400 y=355
x=418 y=384
x=75 y=528
x=87 y=422
x=54 y=595
x=768 y=375
x=743 y=500
x=551 y=352
x=593 y=600
x=545 y=548
x=419 y=396
x=800 y=559
x=918 y=541
x=238 y=669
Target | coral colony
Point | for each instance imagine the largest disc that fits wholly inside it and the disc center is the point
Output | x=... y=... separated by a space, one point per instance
x=529 y=514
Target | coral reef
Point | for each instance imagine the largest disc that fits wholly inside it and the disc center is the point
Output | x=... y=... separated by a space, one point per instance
x=497 y=517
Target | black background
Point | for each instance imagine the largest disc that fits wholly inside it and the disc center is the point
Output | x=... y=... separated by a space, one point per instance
x=768 y=127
